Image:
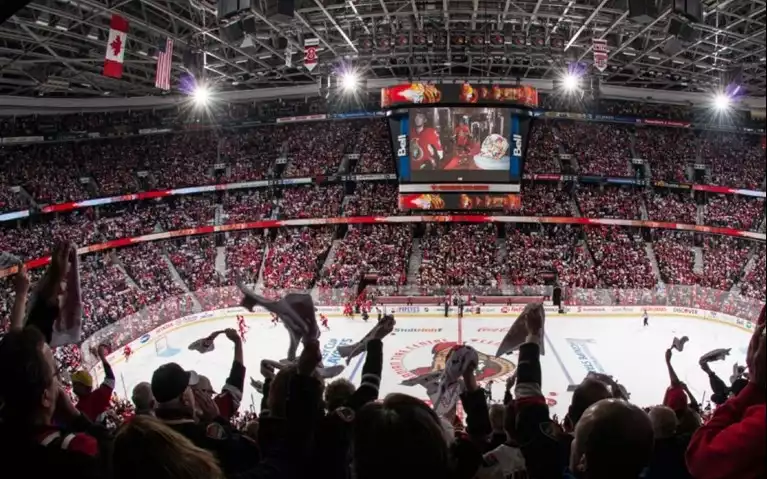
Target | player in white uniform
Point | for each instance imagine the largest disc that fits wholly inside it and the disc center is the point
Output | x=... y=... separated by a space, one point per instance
x=645 y=318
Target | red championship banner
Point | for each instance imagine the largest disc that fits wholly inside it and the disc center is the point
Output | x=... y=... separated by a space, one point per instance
x=310 y=53
x=600 y=53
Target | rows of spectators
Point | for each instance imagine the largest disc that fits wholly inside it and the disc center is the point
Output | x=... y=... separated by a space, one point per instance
x=316 y=151
x=459 y=255
x=543 y=149
x=146 y=265
x=676 y=258
x=194 y=258
x=733 y=211
x=244 y=255
x=295 y=257
x=599 y=148
x=734 y=160
x=382 y=251
x=533 y=253
x=723 y=260
x=375 y=199
x=668 y=151
x=754 y=285
x=247 y=205
x=375 y=149
x=620 y=257
x=609 y=202
x=670 y=206
x=311 y=202
x=545 y=199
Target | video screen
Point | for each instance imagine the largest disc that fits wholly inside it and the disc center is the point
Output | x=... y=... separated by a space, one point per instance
x=461 y=144
x=460 y=201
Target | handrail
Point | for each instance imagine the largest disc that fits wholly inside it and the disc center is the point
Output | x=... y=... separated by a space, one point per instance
x=122 y=242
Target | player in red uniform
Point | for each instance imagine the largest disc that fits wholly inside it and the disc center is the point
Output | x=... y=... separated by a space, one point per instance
x=127 y=351
x=348 y=311
x=426 y=150
x=242 y=326
x=324 y=322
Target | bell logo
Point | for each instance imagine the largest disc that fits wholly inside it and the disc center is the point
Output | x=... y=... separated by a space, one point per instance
x=517 y=145
x=402 y=149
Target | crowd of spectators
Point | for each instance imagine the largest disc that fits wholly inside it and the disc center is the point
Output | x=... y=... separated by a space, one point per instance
x=9 y=200
x=545 y=199
x=723 y=260
x=548 y=249
x=609 y=202
x=244 y=255
x=194 y=257
x=754 y=284
x=543 y=149
x=675 y=256
x=311 y=202
x=375 y=149
x=734 y=160
x=108 y=295
x=247 y=205
x=146 y=266
x=670 y=206
x=620 y=257
x=295 y=257
x=733 y=211
x=459 y=255
x=599 y=148
x=314 y=151
x=668 y=151
x=382 y=251
x=372 y=199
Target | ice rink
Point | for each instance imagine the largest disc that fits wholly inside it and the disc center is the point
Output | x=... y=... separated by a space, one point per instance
x=575 y=344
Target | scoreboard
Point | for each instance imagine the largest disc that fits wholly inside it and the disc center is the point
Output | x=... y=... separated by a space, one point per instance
x=458 y=147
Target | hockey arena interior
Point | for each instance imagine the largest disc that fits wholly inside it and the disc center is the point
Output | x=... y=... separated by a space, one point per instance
x=383 y=239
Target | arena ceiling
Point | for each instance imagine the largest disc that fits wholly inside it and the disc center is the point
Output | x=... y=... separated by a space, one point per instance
x=56 y=47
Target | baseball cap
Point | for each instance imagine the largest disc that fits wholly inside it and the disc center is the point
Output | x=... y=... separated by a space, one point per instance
x=169 y=381
x=204 y=384
x=82 y=377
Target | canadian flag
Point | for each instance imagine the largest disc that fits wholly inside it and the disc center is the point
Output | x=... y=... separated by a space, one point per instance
x=113 y=60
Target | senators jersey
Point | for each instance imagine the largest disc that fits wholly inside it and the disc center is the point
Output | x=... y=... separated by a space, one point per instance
x=462 y=135
x=425 y=148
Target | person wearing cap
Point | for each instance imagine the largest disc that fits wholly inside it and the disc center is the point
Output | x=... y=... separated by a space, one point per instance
x=677 y=396
x=143 y=400
x=238 y=455
x=94 y=402
x=228 y=401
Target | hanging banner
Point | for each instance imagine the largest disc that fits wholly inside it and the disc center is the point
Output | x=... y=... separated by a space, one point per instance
x=600 y=53
x=310 y=53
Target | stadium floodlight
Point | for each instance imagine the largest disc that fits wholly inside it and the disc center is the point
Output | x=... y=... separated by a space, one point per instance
x=722 y=101
x=350 y=81
x=201 y=95
x=570 y=82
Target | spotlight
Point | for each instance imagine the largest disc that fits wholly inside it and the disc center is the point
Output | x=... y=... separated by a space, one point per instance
x=201 y=95
x=570 y=82
x=722 y=101
x=350 y=81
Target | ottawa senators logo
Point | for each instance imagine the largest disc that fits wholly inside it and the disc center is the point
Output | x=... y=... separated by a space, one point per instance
x=489 y=368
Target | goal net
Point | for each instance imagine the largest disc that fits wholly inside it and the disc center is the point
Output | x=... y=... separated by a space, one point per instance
x=161 y=345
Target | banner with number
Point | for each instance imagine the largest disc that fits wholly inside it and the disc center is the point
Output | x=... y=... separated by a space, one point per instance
x=310 y=53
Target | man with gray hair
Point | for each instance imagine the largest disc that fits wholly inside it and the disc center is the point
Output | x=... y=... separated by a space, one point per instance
x=668 y=451
x=143 y=399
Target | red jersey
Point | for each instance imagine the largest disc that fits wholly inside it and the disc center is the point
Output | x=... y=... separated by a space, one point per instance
x=78 y=442
x=425 y=147
x=93 y=404
x=462 y=135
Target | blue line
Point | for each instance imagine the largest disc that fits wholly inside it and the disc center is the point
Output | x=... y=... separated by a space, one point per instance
x=357 y=366
x=559 y=360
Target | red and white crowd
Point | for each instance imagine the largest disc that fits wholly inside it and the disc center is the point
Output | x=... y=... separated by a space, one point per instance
x=609 y=202
x=545 y=199
x=459 y=255
x=295 y=257
x=620 y=258
x=543 y=149
x=311 y=202
x=671 y=207
x=376 y=199
x=668 y=151
x=380 y=251
x=733 y=211
x=599 y=148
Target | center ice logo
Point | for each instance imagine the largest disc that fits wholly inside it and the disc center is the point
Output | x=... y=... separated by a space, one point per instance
x=330 y=356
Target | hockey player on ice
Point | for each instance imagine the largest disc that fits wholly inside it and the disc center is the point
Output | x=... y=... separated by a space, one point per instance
x=324 y=322
x=645 y=319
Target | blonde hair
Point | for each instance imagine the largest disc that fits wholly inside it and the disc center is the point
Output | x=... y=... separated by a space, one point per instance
x=145 y=447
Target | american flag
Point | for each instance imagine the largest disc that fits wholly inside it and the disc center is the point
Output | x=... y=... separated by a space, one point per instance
x=164 y=61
